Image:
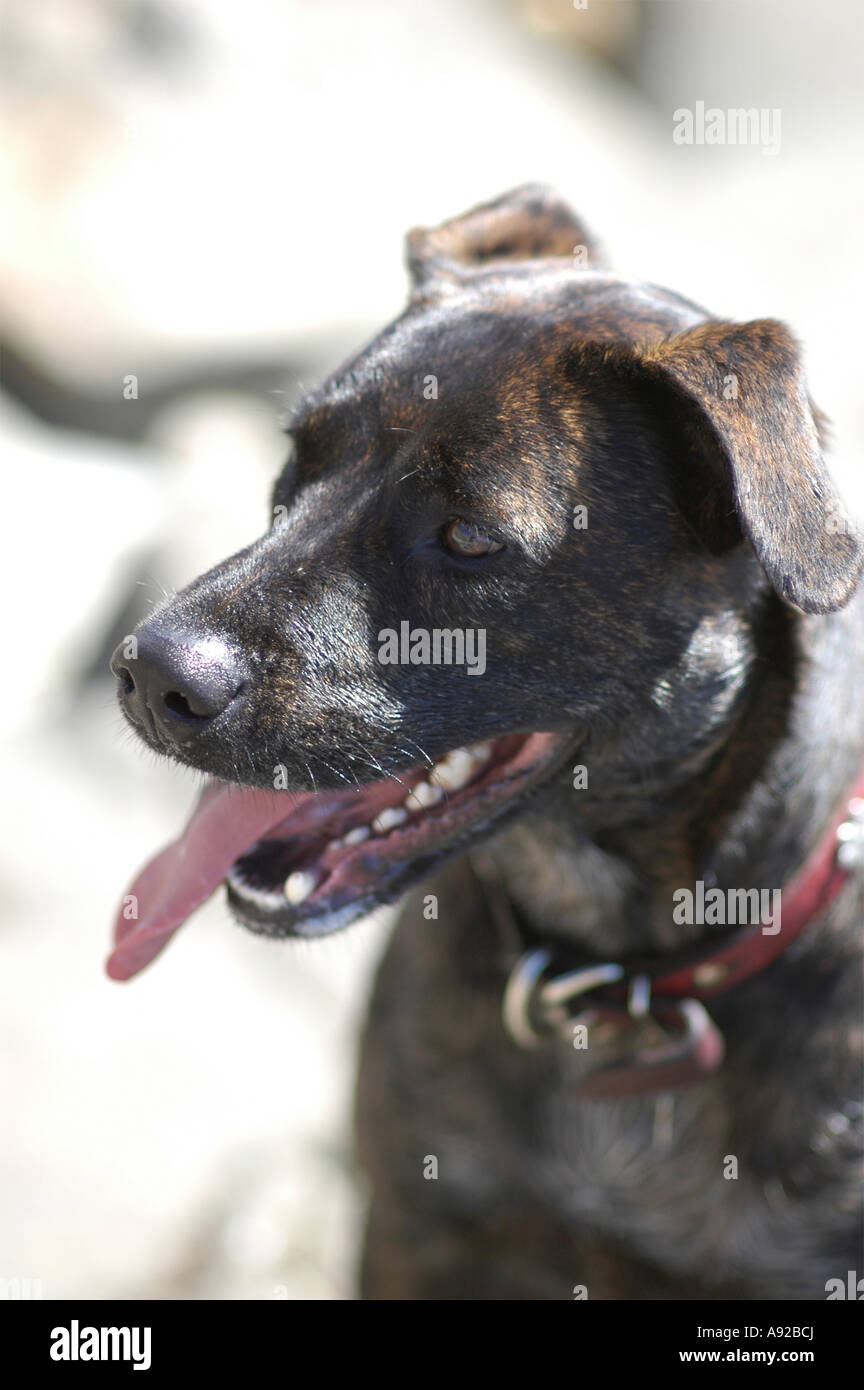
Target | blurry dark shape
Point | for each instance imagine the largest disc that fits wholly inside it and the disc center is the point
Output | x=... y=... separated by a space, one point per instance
x=609 y=28
x=109 y=415
x=157 y=33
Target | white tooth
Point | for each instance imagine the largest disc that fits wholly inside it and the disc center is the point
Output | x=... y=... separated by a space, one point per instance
x=299 y=885
x=265 y=897
x=423 y=795
x=357 y=835
x=455 y=771
x=394 y=815
x=481 y=751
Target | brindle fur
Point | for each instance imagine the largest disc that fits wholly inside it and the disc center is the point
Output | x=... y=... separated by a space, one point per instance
x=701 y=641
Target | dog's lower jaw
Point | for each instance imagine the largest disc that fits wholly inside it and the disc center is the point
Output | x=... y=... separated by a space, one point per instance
x=346 y=868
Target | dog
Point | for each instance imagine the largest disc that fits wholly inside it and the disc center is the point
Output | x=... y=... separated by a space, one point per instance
x=557 y=635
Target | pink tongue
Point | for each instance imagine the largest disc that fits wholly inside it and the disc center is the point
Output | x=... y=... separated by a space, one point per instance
x=226 y=821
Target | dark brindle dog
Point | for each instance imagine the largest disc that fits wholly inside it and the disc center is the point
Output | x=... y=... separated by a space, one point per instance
x=622 y=502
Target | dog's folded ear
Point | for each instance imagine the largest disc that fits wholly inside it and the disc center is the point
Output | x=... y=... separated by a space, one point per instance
x=736 y=394
x=529 y=223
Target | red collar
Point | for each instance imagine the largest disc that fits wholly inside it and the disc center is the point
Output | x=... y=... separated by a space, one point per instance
x=660 y=998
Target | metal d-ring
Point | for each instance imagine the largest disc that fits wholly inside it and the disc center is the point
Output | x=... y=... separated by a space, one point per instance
x=639 y=996
x=525 y=994
x=519 y=995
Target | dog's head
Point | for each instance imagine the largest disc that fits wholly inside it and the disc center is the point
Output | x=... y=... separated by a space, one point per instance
x=536 y=514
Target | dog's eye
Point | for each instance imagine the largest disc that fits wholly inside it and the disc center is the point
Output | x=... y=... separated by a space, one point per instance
x=465 y=539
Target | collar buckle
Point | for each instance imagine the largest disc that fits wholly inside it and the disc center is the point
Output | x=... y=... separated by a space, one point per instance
x=535 y=1006
x=538 y=1005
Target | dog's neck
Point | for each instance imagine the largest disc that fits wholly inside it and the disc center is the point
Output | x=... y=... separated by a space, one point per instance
x=747 y=817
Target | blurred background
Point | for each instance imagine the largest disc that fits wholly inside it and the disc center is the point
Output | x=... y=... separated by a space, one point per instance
x=204 y=210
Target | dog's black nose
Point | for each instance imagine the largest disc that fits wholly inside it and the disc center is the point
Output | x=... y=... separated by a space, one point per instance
x=176 y=684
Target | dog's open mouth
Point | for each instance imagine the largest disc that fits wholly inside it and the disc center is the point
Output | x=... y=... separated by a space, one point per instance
x=307 y=863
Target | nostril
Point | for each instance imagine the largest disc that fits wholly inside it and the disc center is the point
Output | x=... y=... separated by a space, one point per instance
x=179 y=705
x=201 y=699
x=184 y=706
x=178 y=684
x=124 y=676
